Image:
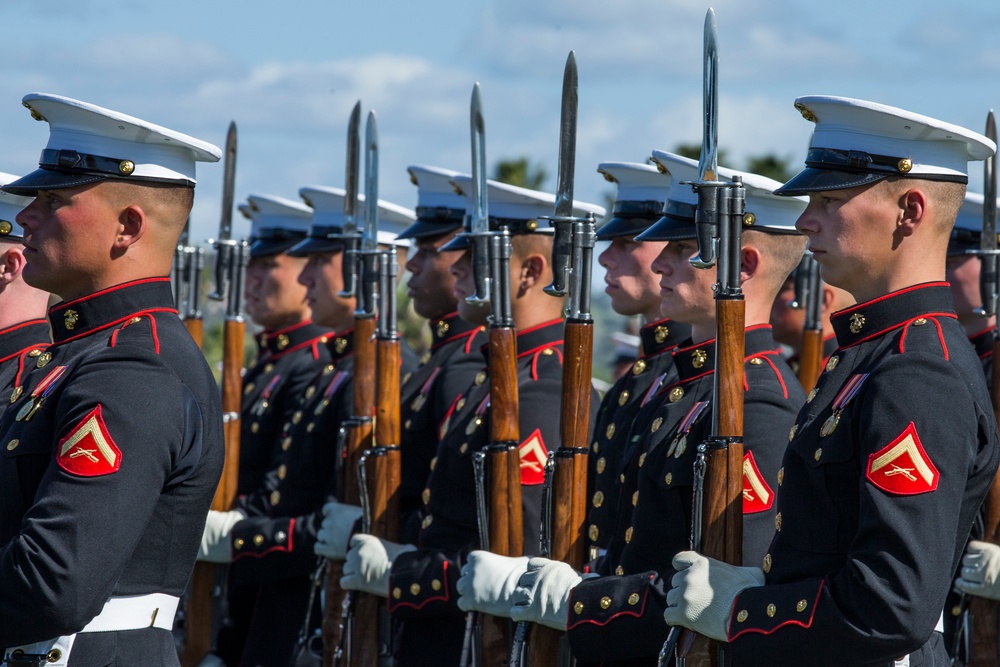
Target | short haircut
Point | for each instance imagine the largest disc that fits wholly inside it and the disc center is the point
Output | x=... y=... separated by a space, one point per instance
x=782 y=252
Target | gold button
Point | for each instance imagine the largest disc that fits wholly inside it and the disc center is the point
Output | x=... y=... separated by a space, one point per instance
x=919 y=322
x=633 y=599
x=547 y=352
x=598 y=499
x=408 y=424
x=956 y=610
x=756 y=361
x=310 y=427
x=43 y=360
x=767 y=563
x=812 y=395
x=323 y=339
x=463 y=448
x=905 y=164
x=426 y=496
x=628 y=535
x=620 y=571
x=311 y=391
x=6 y=227
x=280 y=536
x=676 y=394
x=428 y=520
x=268 y=368
x=578 y=607
x=436 y=584
x=397 y=593
x=286 y=443
x=460 y=404
x=424 y=359
x=414 y=589
x=771 y=610
x=669 y=479
x=275 y=497
x=12 y=445
x=595 y=447
x=473 y=425
x=781 y=475
x=605 y=602
x=34 y=353
x=621 y=478
x=791 y=433
x=777 y=522
x=635 y=498
x=406 y=378
x=610 y=431
x=54 y=655
x=742 y=616
x=623 y=397
x=258 y=539
x=329 y=369
x=238 y=543
x=832 y=362
x=480 y=377
x=642 y=459
x=282 y=471
x=297 y=417
x=657 y=423
x=602 y=463
x=593 y=533
x=818 y=454
x=638 y=367
x=434 y=462
x=801 y=606
x=16 y=394
x=660 y=333
x=254 y=427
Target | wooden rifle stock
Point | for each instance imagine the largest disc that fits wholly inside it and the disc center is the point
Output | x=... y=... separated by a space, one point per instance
x=506 y=523
x=196 y=327
x=359 y=435
x=984 y=612
x=199 y=608
x=722 y=514
x=811 y=358
x=569 y=481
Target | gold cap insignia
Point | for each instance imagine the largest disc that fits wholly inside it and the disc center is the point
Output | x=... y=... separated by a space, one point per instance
x=806 y=112
x=905 y=165
x=5 y=228
x=748 y=219
x=676 y=394
x=638 y=367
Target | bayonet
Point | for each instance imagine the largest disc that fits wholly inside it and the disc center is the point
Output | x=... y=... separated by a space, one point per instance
x=708 y=207
x=368 y=264
x=480 y=221
x=352 y=235
x=563 y=220
x=988 y=240
x=225 y=246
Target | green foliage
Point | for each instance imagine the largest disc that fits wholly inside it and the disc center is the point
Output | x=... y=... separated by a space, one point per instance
x=770 y=165
x=520 y=172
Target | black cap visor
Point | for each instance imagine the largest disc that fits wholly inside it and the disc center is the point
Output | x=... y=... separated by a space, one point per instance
x=315 y=246
x=814 y=179
x=49 y=179
x=422 y=229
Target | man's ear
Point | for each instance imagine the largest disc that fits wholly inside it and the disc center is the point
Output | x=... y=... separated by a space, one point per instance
x=132 y=224
x=11 y=265
x=912 y=210
x=750 y=262
x=532 y=269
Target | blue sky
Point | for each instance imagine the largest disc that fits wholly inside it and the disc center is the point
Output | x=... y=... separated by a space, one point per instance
x=289 y=73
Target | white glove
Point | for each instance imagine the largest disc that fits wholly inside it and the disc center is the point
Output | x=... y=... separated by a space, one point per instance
x=334 y=533
x=542 y=593
x=215 y=547
x=703 y=592
x=368 y=562
x=487 y=582
x=980 y=570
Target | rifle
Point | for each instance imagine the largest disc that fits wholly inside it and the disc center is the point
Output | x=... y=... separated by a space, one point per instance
x=490 y=261
x=185 y=277
x=572 y=255
x=335 y=616
x=984 y=612
x=717 y=515
x=208 y=581
x=809 y=296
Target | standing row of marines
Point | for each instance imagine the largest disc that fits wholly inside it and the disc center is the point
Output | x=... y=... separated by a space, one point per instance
x=858 y=498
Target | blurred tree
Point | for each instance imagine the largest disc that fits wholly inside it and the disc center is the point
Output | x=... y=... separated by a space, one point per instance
x=770 y=165
x=693 y=151
x=520 y=172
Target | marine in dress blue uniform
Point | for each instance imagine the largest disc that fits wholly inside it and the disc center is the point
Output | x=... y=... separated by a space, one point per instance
x=893 y=452
x=110 y=461
x=421 y=582
x=272 y=530
x=634 y=290
x=24 y=330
